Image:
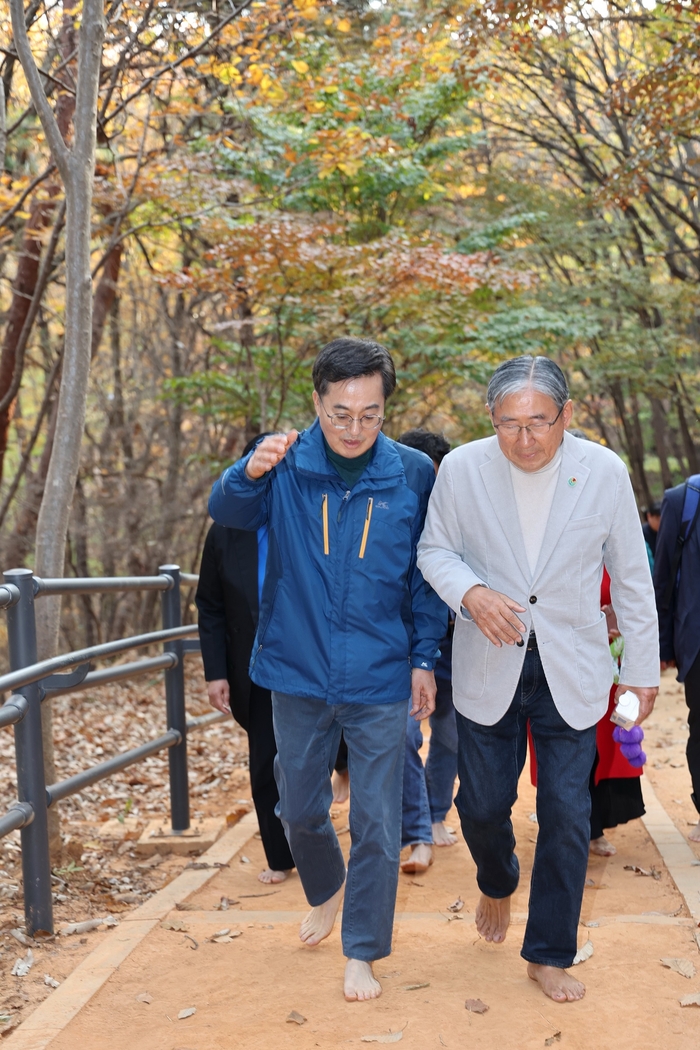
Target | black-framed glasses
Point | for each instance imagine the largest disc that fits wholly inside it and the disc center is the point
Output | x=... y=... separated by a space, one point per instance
x=513 y=429
x=343 y=421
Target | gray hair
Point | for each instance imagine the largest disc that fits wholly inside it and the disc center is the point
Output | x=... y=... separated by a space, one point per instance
x=520 y=373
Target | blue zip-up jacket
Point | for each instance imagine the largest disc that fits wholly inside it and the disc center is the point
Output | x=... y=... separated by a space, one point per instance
x=345 y=612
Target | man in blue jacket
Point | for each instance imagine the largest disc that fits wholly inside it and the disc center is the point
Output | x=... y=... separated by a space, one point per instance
x=677 y=586
x=348 y=633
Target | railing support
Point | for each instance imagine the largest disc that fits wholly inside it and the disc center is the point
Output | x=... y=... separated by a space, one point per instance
x=175 y=706
x=31 y=785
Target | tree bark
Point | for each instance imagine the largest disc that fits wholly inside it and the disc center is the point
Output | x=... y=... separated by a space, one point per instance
x=76 y=165
x=658 y=418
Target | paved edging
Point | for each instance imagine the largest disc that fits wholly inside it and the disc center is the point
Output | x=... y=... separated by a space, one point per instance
x=675 y=852
x=59 y=1009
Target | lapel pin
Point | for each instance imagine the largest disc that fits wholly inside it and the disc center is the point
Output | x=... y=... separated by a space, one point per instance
x=572 y=481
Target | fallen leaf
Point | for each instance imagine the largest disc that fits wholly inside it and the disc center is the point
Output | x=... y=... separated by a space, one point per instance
x=682 y=966
x=650 y=873
x=87 y=926
x=222 y=933
x=186 y=906
x=415 y=987
x=585 y=952
x=390 y=1037
x=455 y=918
x=21 y=937
x=296 y=1018
x=553 y=1039
x=50 y=981
x=174 y=924
x=456 y=905
x=23 y=966
x=442 y=1041
x=690 y=1000
x=144 y=997
x=223 y=904
x=245 y=860
x=189 y=1011
x=533 y=818
x=475 y=1006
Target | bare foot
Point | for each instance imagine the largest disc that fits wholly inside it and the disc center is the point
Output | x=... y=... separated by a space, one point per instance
x=442 y=835
x=493 y=918
x=340 y=782
x=694 y=835
x=360 y=983
x=602 y=848
x=269 y=875
x=557 y=984
x=419 y=860
x=320 y=920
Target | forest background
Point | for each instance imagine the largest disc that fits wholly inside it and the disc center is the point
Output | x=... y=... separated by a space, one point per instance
x=460 y=181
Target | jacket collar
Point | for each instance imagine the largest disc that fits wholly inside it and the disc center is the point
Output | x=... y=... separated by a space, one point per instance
x=310 y=457
x=499 y=487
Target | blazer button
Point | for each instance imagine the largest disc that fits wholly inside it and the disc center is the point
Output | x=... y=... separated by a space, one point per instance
x=533 y=599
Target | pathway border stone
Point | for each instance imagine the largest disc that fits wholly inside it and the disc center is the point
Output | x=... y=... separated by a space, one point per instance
x=678 y=857
x=59 y=1009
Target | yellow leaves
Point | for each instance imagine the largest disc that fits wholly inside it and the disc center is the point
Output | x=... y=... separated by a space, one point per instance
x=470 y=191
x=227 y=73
x=300 y=67
x=307 y=8
x=344 y=25
x=329 y=89
x=255 y=73
x=315 y=105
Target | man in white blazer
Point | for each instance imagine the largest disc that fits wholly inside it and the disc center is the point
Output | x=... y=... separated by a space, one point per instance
x=518 y=529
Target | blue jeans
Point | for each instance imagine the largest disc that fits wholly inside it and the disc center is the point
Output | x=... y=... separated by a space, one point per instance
x=307 y=733
x=441 y=767
x=415 y=810
x=491 y=759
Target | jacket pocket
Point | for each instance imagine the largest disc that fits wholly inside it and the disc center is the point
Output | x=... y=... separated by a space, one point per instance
x=593 y=659
x=262 y=630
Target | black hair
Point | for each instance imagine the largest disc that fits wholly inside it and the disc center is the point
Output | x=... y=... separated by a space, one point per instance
x=350 y=358
x=434 y=445
x=256 y=441
x=653 y=508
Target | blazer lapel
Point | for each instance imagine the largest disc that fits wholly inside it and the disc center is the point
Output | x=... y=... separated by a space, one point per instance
x=496 y=477
x=572 y=480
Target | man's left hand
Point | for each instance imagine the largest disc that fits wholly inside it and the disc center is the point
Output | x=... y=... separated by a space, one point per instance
x=647 y=698
x=423 y=690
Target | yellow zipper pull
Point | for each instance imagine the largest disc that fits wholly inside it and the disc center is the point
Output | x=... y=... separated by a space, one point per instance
x=365 y=532
x=326 y=544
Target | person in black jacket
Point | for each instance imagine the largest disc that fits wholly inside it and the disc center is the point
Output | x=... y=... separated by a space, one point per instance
x=228 y=597
x=679 y=616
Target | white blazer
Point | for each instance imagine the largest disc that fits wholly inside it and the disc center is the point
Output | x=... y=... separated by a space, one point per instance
x=472 y=535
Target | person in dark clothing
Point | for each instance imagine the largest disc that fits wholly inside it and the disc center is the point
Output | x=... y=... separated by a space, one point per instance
x=428 y=790
x=679 y=610
x=228 y=600
x=650 y=528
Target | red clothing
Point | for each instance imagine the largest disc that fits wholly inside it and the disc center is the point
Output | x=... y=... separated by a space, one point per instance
x=611 y=761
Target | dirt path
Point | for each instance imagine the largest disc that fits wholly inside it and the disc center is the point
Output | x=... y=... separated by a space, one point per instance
x=245 y=989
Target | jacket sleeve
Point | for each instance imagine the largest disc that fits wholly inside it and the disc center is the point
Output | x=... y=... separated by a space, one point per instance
x=428 y=611
x=212 y=613
x=671 y=512
x=239 y=502
x=631 y=589
x=438 y=551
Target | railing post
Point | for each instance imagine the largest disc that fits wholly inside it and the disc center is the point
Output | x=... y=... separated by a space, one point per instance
x=175 y=705
x=31 y=785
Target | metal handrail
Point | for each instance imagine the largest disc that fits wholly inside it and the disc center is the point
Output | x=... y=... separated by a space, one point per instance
x=27 y=675
x=19 y=815
x=9 y=595
x=102 y=584
x=13 y=710
x=64 y=788
x=189 y=577
x=118 y=673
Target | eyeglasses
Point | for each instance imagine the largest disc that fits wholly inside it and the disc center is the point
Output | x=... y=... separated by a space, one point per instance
x=343 y=421
x=538 y=429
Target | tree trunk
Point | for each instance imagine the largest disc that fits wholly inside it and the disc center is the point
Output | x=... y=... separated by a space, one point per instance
x=635 y=447
x=76 y=166
x=658 y=418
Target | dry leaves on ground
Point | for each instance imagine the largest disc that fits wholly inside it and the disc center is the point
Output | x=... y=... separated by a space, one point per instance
x=682 y=966
x=690 y=1000
x=189 y=1011
x=295 y=1018
x=553 y=1039
x=456 y=905
x=475 y=1006
x=585 y=952
x=653 y=873
x=389 y=1037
